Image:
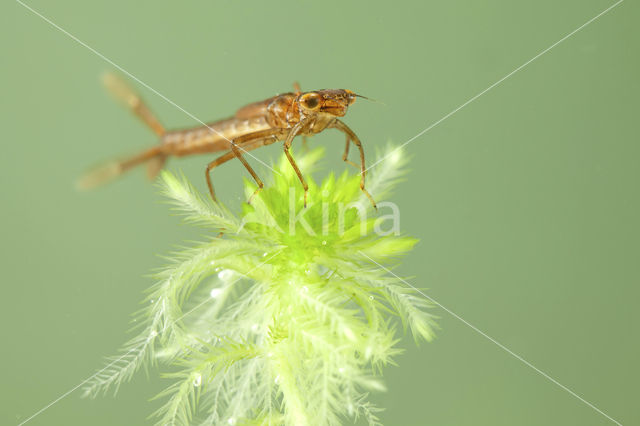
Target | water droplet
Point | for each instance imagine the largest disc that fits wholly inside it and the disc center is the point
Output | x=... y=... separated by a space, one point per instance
x=215 y=292
x=277 y=380
x=225 y=275
x=347 y=332
x=265 y=254
x=198 y=380
x=151 y=301
x=371 y=297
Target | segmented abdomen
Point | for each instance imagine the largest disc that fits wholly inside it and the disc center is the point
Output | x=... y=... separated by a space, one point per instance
x=211 y=138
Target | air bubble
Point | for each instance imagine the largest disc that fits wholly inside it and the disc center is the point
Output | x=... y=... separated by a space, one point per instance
x=198 y=380
x=225 y=275
x=371 y=297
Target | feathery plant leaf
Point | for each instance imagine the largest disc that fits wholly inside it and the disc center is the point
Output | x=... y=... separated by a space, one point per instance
x=285 y=318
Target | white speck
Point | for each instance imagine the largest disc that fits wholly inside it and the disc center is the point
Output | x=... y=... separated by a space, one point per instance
x=255 y=328
x=264 y=254
x=198 y=380
x=225 y=275
x=341 y=370
x=269 y=354
x=151 y=301
x=371 y=297
x=215 y=292
x=307 y=271
x=395 y=156
x=153 y=333
x=368 y=352
x=213 y=262
x=277 y=380
x=231 y=421
x=324 y=243
x=304 y=289
x=347 y=332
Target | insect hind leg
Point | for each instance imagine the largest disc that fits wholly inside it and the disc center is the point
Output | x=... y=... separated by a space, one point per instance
x=132 y=100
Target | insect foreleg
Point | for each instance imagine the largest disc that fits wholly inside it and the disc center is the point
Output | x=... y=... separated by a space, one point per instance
x=337 y=124
x=287 y=144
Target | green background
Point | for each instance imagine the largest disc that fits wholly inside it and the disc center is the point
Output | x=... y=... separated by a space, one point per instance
x=526 y=201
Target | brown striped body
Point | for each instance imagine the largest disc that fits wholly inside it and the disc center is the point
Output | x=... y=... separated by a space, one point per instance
x=278 y=112
x=280 y=118
x=211 y=138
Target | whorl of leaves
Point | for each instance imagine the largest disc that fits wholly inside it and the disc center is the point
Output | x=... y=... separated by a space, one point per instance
x=284 y=319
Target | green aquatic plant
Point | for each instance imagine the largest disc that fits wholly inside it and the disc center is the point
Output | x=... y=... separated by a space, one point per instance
x=283 y=315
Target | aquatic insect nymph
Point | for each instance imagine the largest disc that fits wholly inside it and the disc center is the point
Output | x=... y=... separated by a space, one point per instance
x=280 y=118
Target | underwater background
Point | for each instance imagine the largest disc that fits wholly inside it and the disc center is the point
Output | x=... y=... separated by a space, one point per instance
x=525 y=201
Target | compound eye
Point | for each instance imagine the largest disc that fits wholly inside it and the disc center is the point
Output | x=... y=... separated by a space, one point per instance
x=350 y=96
x=311 y=101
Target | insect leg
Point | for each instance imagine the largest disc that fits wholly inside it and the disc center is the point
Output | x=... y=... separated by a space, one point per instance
x=121 y=90
x=245 y=143
x=345 y=156
x=215 y=163
x=287 y=144
x=236 y=151
x=337 y=124
x=305 y=139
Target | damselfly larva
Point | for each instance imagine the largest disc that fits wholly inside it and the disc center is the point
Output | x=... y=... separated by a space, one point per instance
x=280 y=118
